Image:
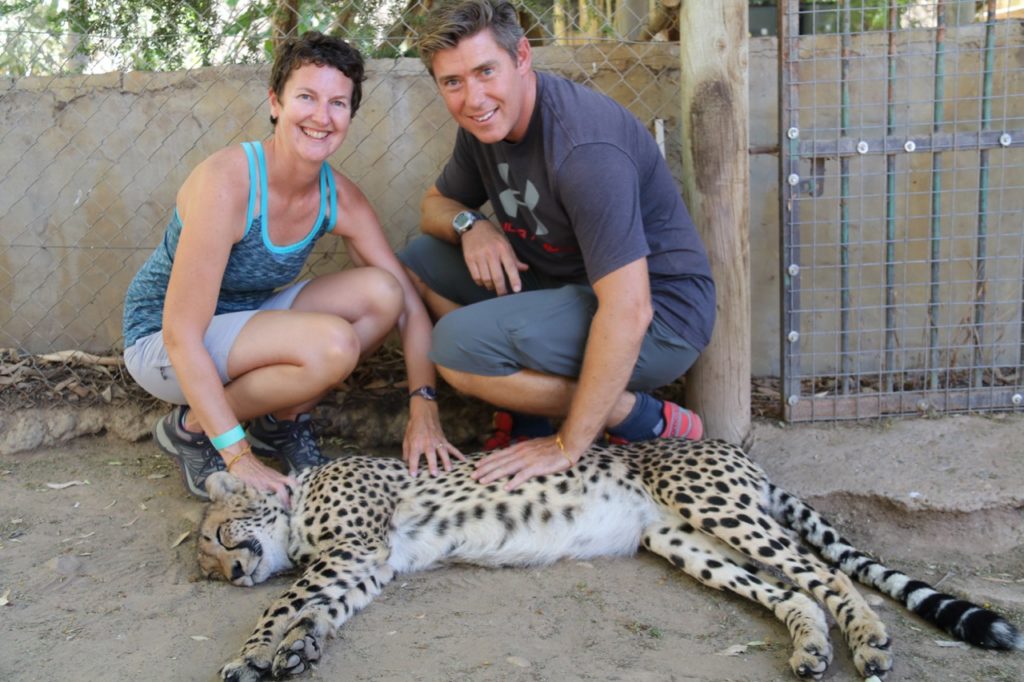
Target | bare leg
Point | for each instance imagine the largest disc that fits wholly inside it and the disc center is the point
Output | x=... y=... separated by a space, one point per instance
x=284 y=361
x=370 y=299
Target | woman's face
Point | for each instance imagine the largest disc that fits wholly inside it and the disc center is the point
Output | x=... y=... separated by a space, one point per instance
x=314 y=110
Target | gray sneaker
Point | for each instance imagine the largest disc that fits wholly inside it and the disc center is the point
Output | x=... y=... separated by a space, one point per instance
x=292 y=442
x=193 y=453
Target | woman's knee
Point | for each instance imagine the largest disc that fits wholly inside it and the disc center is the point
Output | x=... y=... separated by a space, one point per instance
x=334 y=351
x=384 y=294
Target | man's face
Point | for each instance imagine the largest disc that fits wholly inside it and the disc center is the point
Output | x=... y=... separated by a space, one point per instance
x=487 y=92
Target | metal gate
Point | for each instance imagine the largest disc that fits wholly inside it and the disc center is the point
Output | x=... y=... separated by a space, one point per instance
x=902 y=238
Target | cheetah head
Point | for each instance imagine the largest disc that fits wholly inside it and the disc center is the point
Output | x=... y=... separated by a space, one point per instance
x=243 y=537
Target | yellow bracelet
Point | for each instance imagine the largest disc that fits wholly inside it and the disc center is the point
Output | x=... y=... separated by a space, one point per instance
x=234 y=460
x=561 y=446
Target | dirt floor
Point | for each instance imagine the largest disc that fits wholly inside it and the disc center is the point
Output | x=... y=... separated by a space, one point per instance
x=98 y=579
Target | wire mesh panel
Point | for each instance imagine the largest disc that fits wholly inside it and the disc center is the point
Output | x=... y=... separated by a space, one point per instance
x=902 y=252
x=107 y=105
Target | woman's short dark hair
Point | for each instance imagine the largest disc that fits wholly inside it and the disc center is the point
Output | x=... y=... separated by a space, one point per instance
x=449 y=23
x=313 y=47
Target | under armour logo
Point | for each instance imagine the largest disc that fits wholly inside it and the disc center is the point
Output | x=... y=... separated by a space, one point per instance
x=510 y=201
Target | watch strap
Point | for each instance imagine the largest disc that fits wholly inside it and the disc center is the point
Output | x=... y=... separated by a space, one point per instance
x=425 y=392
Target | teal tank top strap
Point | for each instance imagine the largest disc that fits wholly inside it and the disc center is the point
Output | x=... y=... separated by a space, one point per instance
x=314 y=231
x=253 y=179
x=261 y=164
x=332 y=197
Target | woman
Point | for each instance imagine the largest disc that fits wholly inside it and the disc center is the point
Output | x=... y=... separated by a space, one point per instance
x=211 y=323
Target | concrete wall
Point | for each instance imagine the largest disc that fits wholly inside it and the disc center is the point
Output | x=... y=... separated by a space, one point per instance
x=89 y=167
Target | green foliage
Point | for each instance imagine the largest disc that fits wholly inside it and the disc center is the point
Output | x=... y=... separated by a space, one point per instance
x=37 y=40
x=41 y=37
x=96 y=35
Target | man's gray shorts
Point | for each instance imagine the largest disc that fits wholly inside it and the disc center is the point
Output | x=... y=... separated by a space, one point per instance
x=148 y=363
x=543 y=328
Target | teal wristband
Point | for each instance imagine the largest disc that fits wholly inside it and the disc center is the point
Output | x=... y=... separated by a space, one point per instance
x=228 y=438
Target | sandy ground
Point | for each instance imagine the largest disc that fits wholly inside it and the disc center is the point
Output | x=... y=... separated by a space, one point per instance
x=97 y=582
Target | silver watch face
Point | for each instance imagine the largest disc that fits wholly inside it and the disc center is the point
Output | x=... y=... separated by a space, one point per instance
x=463 y=221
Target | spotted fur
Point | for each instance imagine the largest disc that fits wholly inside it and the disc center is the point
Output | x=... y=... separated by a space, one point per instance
x=703 y=506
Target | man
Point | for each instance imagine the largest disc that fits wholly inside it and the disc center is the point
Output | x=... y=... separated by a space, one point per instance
x=589 y=289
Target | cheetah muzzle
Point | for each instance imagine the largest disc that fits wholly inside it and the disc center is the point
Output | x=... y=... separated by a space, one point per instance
x=703 y=506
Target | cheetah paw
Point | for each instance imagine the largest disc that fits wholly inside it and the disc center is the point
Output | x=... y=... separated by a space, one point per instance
x=811 y=661
x=298 y=650
x=871 y=644
x=874 y=658
x=244 y=670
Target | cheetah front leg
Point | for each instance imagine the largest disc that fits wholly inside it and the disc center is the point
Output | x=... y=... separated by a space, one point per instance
x=288 y=635
x=716 y=565
x=320 y=619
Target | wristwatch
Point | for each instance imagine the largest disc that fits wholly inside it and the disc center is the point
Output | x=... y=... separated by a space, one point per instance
x=465 y=220
x=425 y=392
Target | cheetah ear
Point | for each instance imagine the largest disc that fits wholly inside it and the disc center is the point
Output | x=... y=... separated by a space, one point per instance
x=220 y=485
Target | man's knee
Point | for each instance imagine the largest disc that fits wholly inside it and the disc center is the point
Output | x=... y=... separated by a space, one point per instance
x=454 y=378
x=461 y=343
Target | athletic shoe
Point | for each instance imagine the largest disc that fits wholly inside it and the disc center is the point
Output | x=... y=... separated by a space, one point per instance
x=293 y=442
x=192 y=452
x=515 y=427
x=679 y=423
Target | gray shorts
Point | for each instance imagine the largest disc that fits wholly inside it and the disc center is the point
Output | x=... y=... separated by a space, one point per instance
x=147 y=361
x=543 y=328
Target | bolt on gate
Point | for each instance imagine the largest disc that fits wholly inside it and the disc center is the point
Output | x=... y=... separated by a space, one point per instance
x=902 y=236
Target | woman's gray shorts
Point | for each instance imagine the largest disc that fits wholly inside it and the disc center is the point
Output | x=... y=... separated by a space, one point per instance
x=543 y=328
x=147 y=361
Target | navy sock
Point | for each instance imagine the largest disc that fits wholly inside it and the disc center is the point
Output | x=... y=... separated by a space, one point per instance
x=530 y=425
x=643 y=422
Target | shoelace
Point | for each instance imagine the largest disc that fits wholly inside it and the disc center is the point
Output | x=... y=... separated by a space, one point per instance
x=211 y=462
x=303 y=434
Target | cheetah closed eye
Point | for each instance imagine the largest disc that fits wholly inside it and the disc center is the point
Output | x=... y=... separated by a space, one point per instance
x=703 y=506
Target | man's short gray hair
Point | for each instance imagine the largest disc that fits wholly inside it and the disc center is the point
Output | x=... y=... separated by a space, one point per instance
x=450 y=22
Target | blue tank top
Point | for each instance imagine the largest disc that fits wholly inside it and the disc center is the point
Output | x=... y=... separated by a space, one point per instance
x=256 y=267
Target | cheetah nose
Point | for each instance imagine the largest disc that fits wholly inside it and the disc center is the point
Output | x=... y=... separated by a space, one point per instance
x=237 y=571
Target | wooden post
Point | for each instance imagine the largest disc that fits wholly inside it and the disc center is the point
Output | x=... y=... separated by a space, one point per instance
x=713 y=50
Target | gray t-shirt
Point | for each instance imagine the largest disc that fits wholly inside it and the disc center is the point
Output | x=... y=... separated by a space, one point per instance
x=586 y=192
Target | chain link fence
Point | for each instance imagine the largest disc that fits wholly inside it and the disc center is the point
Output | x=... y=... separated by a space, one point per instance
x=107 y=106
x=902 y=158
x=901 y=248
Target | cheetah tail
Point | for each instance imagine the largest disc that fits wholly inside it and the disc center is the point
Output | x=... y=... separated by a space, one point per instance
x=960 y=618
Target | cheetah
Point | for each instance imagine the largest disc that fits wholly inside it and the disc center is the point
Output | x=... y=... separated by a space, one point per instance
x=704 y=506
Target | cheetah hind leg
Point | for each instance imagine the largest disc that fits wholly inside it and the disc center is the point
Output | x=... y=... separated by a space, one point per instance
x=717 y=565
x=861 y=627
x=962 y=619
x=300 y=646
